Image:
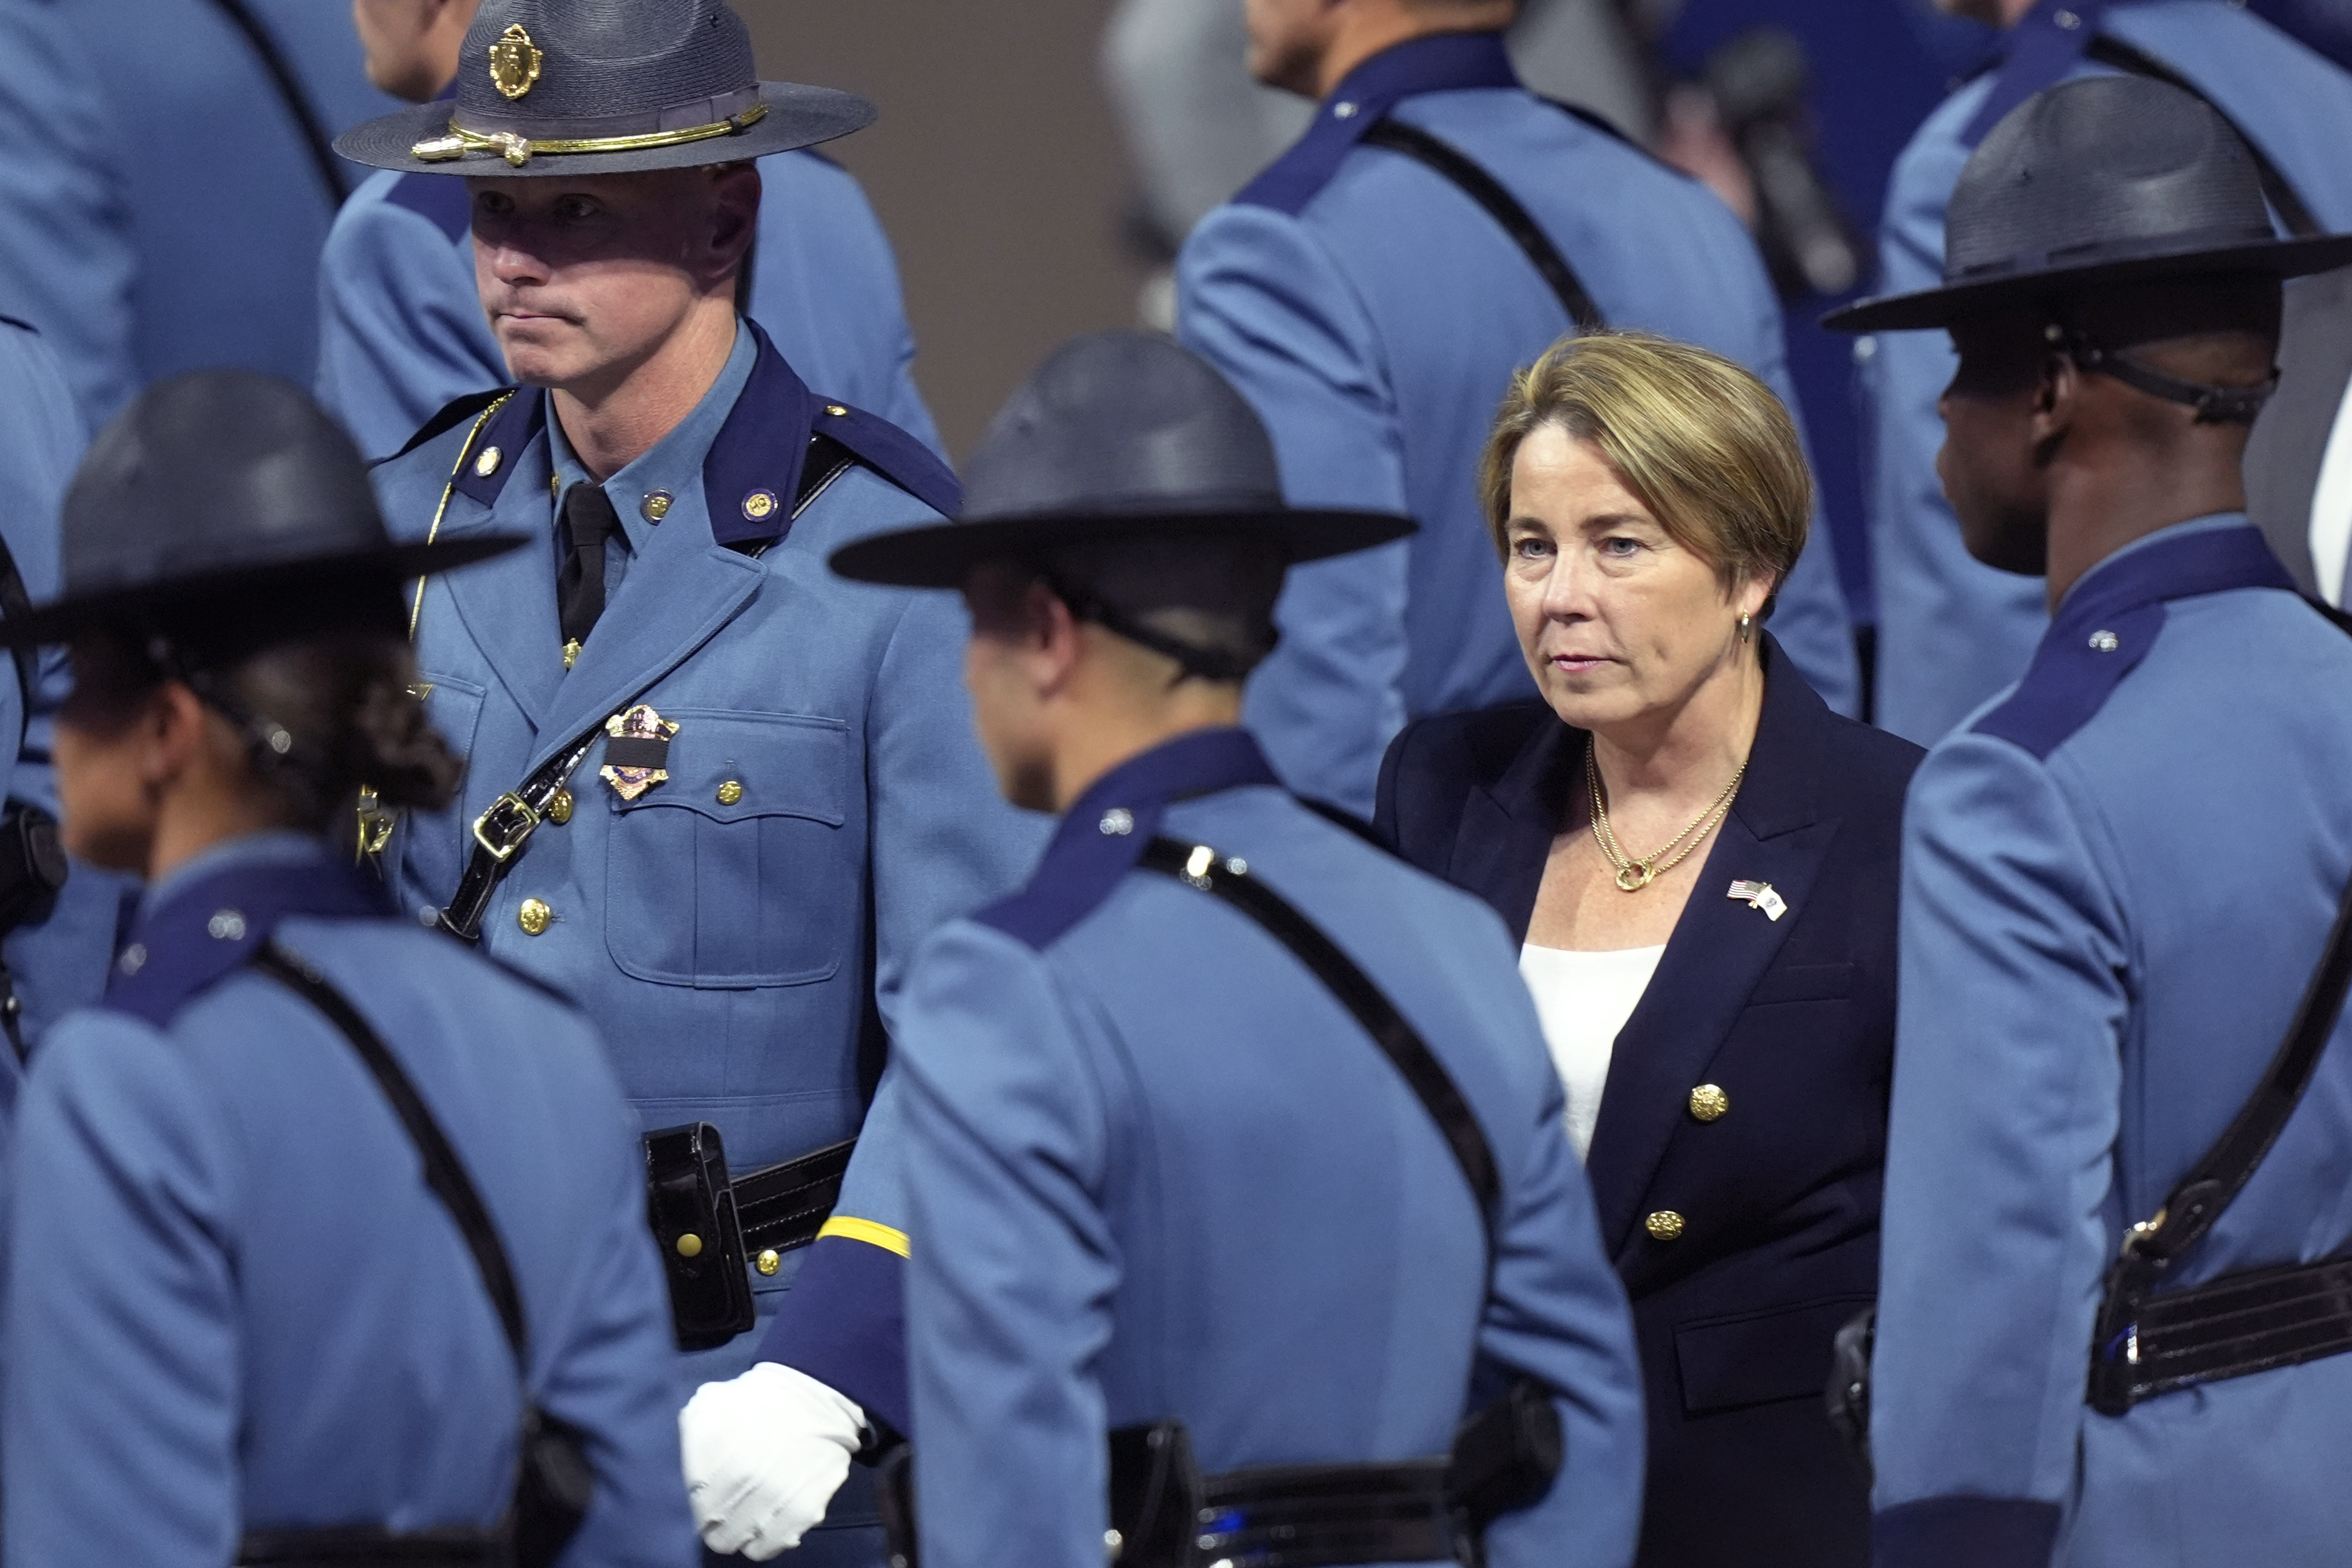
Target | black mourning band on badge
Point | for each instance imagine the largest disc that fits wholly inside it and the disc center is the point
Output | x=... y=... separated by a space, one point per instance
x=636 y=751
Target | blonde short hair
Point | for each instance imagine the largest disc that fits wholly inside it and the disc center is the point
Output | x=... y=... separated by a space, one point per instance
x=1703 y=443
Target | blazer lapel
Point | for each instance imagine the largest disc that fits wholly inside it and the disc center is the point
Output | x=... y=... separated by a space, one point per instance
x=1507 y=828
x=507 y=603
x=670 y=603
x=1719 y=950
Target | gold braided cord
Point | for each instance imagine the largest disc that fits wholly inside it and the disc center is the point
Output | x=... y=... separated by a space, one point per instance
x=518 y=149
x=1636 y=872
x=416 y=609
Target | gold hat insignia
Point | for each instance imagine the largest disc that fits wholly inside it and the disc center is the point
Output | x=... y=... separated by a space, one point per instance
x=514 y=62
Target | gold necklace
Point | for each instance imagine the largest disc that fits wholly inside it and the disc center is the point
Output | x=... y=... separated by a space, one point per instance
x=1634 y=873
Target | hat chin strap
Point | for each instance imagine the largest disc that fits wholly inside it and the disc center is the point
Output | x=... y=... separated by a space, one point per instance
x=1208 y=663
x=2214 y=405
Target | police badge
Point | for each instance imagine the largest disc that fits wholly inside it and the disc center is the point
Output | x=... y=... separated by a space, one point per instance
x=636 y=752
x=514 y=62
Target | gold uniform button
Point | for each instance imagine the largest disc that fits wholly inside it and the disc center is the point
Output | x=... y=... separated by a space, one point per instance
x=730 y=792
x=559 y=810
x=488 y=463
x=689 y=1245
x=1708 y=1102
x=1664 y=1225
x=768 y=1262
x=836 y=410
x=534 y=917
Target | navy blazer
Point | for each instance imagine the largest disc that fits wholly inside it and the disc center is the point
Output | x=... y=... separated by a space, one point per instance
x=1794 y=1020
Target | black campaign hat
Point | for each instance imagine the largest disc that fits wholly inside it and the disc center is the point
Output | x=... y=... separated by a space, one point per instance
x=1119 y=435
x=221 y=492
x=605 y=87
x=2109 y=179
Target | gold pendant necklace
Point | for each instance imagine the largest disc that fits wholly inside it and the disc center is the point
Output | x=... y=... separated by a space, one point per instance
x=1634 y=873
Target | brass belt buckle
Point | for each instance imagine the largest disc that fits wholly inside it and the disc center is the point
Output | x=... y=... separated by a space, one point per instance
x=502 y=830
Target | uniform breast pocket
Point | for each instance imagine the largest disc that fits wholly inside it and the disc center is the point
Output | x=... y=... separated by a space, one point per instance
x=455 y=708
x=432 y=847
x=740 y=869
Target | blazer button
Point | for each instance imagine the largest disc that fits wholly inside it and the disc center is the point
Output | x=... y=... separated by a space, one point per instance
x=1664 y=1225
x=533 y=916
x=558 y=810
x=730 y=792
x=1708 y=1102
x=767 y=1262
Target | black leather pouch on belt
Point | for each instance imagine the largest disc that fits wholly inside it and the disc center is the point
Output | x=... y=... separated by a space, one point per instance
x=32 y=864
x=712 y=1230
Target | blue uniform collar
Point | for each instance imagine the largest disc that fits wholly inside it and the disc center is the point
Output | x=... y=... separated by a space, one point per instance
x=1103 y=834
x=2040 y=51
x=1436 y=62
x=671 y=463
x=2109 y=620
x=210 y=915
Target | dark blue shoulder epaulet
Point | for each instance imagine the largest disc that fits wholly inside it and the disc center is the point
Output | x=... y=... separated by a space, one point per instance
x=441 y=198
x=453 y=414
x=895 y=454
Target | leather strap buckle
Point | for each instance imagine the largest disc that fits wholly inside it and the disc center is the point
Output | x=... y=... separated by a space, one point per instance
x=506 y=827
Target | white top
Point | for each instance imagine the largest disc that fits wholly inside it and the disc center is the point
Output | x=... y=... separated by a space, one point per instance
x=2331 y=508
x=1582 y=1000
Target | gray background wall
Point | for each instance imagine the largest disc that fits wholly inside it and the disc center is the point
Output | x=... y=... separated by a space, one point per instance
x=996 y=168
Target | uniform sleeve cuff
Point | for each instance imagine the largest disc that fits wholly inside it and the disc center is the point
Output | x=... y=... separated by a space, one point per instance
x=843 y=1322
x=1965 y=1533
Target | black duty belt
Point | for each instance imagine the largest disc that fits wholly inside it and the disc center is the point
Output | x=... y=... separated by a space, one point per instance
x=2230 y=1327
x=374 y=1548
x=1320 y=1516
x=712 y=1229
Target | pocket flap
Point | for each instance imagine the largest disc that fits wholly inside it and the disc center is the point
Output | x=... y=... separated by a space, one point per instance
x=732 y=767
x=1782 y=1352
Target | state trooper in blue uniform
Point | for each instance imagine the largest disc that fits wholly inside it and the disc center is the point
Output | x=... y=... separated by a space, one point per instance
x=1372 y=313
x=250 y=1315
x=169 y=180
x=714 y=794
x=56 y=949
x=1157 y=1170
x=1951 y=631
x=401 y=330
x=2118 y=875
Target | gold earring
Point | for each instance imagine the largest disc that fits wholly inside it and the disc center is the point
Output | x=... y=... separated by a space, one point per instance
x=1747 y=626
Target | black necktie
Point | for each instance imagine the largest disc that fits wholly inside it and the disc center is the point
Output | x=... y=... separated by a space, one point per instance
x=589 y=522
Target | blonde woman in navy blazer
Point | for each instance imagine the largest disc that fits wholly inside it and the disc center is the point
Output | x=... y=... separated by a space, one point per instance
x=1689 y=844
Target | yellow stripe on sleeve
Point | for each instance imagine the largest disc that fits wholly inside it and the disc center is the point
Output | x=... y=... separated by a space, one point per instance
x=867 y=1231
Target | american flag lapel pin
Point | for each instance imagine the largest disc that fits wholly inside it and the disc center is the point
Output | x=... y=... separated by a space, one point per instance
x=1759 y=896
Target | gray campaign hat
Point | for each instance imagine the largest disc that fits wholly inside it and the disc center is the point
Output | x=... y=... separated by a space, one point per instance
x=2108 y=179
x=223 y=495
x=1118 y=435
x=606 y=87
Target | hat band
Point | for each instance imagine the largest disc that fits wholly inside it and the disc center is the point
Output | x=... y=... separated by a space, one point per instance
x=2098 y=253
x=660 y=129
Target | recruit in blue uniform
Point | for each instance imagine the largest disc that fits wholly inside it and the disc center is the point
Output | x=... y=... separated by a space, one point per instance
x=2104 y=1338
x=712 y=793
x=1952 y=631
x=1175 y=1159
x=249 y=1318
x=1372 y=312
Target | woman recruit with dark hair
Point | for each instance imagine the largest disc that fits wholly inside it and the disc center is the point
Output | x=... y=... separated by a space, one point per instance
x=1699 y=860
x=326 y=1236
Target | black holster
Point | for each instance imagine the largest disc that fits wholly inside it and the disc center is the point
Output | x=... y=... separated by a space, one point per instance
x=1164 y=1513
x=690 y=1204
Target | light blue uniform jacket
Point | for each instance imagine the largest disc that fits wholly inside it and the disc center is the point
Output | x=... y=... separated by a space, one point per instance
x=236 y=1304
x=731 y=950
x=2116 y=880
x=401 y=330
x=1373 y=315
x=1158 y=1171
x=1952 y=631
x=162 y=213
x=58 y=957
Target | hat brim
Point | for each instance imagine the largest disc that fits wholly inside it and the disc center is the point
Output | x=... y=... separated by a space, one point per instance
x=941 y=555
x=1931 y=308
x=797 y=116
x=393 y=565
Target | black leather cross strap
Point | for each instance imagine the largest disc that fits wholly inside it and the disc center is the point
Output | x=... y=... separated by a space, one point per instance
x=2244 y=1323
x=1228 y=879
x=503 y=832
x=1504 y=208
x=553 y=1483
x=288 y=87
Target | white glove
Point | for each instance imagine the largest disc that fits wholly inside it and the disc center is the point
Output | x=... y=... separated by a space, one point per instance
x=763 y=1454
